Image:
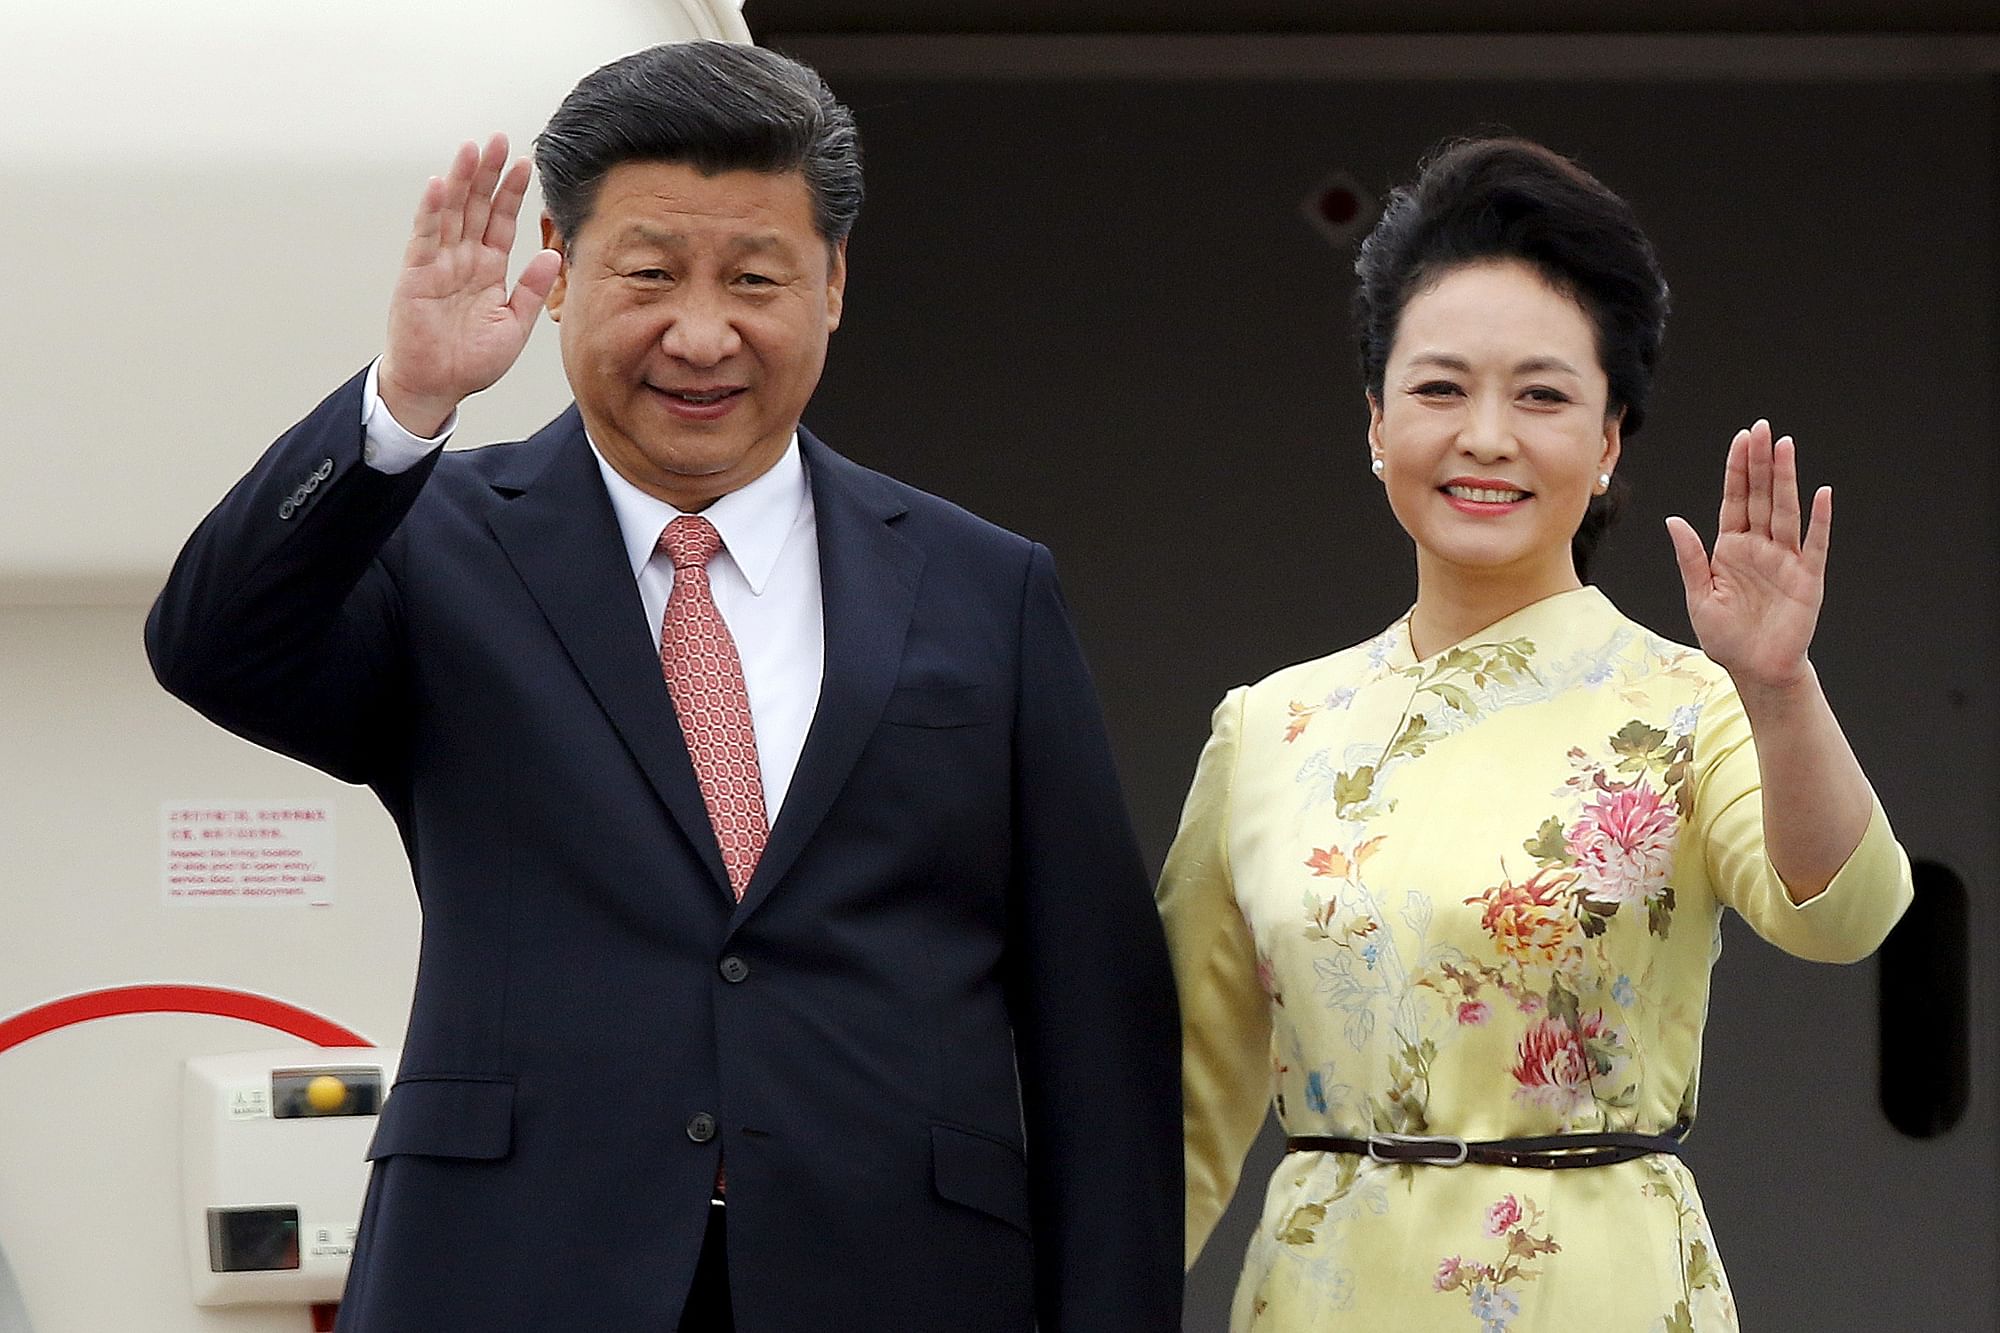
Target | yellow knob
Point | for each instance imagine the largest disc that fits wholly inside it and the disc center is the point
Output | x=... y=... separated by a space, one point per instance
x=326 y=1094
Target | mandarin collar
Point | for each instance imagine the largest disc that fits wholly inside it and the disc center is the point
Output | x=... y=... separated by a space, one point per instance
x=1575 y=613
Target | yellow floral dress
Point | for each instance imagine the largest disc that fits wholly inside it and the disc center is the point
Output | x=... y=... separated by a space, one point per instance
x=1477 y=894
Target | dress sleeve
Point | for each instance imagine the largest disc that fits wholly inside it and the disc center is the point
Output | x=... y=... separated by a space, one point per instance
x=1225 y=1015
x=1841 y=924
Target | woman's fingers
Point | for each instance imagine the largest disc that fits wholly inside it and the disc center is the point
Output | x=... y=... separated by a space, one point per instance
x=1692 y=558
x=1735 y=513
x=1819 y=536
x=1759 y=507
x=1785 y=493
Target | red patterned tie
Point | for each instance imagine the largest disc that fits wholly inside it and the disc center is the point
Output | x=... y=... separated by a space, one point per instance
x=705 y=677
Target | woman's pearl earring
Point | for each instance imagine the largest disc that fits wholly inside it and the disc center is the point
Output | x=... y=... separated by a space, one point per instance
x=1376 y=467
x=1604 y=481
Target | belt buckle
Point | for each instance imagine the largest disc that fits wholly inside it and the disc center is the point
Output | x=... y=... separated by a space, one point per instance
x=1455 y=1149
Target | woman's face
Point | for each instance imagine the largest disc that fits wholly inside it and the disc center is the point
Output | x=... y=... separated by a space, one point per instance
x=1492 y=428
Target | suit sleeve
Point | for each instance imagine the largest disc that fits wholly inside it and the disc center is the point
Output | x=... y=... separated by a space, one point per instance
x=280 y=620
x=1844 y=922
x=1225 y=1015
x=1093 y=1005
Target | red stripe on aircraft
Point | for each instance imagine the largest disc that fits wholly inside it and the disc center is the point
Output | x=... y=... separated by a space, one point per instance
x=117 y=1001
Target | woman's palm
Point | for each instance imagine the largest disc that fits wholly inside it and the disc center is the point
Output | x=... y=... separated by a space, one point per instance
x=1754 y=602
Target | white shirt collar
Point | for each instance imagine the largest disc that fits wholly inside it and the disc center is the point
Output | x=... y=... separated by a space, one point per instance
x=754 y=521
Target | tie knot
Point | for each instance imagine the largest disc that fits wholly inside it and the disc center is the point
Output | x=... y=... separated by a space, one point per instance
x=690 y=541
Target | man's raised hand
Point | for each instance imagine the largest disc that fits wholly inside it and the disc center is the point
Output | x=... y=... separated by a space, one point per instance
x=453 y=327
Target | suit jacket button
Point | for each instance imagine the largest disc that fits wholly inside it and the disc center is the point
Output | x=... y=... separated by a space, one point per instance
x=734 y=969
x=702 y=1127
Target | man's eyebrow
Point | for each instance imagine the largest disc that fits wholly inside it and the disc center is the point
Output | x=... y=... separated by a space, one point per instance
x=646 y=233
x=759 y=242
x=649 y=234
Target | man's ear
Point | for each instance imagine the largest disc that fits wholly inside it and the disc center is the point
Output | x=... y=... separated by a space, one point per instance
x=836 y=283
x=552 y=240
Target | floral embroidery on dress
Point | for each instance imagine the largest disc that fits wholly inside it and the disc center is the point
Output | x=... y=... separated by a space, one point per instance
x=1559 y=1062
x=1491 y=1287
x=1613 y=848
x=1532 y=924
x=1456 y=680
x=1623 y=844
x=1304 y=1237
x=1616 y=848
x=1699 y=1271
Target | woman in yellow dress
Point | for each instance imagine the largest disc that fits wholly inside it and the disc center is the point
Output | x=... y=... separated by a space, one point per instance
x=1451 y=895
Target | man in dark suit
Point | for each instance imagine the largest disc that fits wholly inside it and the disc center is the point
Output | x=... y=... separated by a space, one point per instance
x=788 y=961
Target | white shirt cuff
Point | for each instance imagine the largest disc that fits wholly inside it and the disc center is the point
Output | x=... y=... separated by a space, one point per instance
x=385 y=445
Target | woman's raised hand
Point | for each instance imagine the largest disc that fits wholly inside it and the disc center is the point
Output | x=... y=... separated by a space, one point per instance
x=454 y=328
x=1755 y=601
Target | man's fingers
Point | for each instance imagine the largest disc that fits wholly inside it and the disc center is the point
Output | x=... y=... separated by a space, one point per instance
x=457 y=184
x=1785 y=493
x=507 y=208
x=1735 y=512
x=1692 y=558
x=472 y=199
x=1759 y=507
x=423 y=246
x=1819 y=536
x=537 y=280
x=479 y=193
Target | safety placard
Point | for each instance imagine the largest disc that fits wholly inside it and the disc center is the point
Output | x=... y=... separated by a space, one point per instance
x=247 y=852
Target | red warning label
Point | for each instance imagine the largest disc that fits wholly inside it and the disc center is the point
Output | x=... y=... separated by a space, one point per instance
x=247 y=852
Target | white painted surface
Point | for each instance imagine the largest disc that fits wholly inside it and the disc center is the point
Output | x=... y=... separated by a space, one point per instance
x=90 y=1115
x=213 y=196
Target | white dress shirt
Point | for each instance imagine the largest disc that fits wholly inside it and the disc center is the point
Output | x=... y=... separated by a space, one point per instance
x=765 y=579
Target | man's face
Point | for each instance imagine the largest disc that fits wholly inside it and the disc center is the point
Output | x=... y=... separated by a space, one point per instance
x=694 y=313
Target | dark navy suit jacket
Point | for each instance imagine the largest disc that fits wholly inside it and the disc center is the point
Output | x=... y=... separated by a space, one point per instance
x=936 y=1040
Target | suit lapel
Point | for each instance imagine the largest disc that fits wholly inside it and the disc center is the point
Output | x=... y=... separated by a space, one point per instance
x=868 y=590
x=558 y=529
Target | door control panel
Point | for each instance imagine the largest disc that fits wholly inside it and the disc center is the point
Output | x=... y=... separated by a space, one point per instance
x=273 y=1170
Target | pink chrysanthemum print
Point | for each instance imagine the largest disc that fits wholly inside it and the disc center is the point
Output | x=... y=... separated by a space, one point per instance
x=1553 y=1063
x=1623 y=843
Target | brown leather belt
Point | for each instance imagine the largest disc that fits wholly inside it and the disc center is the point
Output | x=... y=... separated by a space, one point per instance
x=1551 y=1152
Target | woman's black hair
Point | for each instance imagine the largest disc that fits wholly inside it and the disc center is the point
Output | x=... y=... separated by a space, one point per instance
x=1486 y=199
